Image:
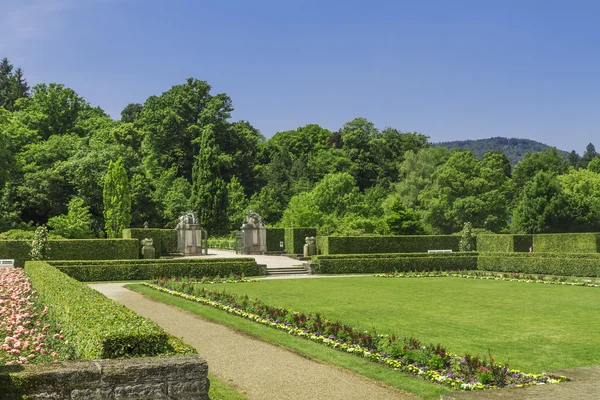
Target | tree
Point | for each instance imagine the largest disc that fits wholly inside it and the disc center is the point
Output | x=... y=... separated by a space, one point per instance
x=13 y=85
x=588 y=156
x=549 y=161
x=237 y=204
x=594 y=165
x=117 y=199
x=581 y=189
x=131 y=112
x=573 y=158
x=76 y=224
x=209 y=191
x=400 y=219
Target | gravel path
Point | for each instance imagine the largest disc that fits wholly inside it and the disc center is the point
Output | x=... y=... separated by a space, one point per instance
x=258 y=369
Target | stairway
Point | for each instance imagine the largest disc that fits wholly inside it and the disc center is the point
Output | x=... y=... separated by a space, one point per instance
x=288 y=271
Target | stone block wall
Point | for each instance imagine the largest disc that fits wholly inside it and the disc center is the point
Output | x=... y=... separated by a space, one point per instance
x=178 y=377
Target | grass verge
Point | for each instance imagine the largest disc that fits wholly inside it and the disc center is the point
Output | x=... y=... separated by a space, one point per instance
x=301 y=346
x=219 y=390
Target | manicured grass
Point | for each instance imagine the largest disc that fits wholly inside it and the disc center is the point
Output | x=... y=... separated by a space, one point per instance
x=219 y=390
x=425 y=390
x=533 y=327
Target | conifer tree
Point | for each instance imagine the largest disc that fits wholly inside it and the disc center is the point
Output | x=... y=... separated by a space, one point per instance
x=117 y=200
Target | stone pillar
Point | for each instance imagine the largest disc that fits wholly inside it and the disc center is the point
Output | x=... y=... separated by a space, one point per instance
x=254 y=234
x=189 y=235
x=148 y=250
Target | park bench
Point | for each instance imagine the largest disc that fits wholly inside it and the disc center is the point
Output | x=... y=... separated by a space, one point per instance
x=439 y=251
x=7 y=263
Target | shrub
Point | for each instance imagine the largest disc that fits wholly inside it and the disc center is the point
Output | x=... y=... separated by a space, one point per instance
x=164 y=240
x=406 y=263
x=100 y=328
x=388 y=244
x=504 y=243
x=566 y=242
x=39 y=244
x=295 y=239
x=118 y=270
x=274 y=237
x=467 y=241
x=542 y=263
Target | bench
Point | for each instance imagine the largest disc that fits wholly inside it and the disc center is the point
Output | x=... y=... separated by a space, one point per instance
x=7 y=263
x=439 y=251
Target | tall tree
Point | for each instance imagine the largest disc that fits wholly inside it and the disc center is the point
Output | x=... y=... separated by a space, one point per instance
x=131 y=112
x=589 y=155
x=209 y=191
x=117 y=199
x=13 y=85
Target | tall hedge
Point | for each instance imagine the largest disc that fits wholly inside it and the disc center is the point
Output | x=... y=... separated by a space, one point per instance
x=295 y=239
x=274 y=237
x=165 y=240
x=566 y=243
x=72 y=249
x=388 y=244
x=97 y=326
x=504 y=243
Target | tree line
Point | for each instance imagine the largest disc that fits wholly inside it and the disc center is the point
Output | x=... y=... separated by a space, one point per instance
x=66 y=163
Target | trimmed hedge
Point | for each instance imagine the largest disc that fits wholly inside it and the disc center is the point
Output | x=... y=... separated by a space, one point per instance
x=97 y=326
x=406 y=263
x=274 y=237
x=389 y=255
x=73 y=249
x=295 y=239
x=165 y=240
x=566 y=243
x=542 y=263
x=388 y=244
x=504 y=243
x=114 y=271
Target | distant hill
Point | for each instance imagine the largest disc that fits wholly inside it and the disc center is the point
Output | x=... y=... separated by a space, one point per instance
x=514 y=149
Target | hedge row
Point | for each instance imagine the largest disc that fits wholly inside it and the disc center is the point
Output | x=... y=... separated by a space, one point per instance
x=387 y=244
x=295 y=239
x=146 y=261
x=550 y=264
x=274 y=237
x=504 y=243
x=97 y=326
x=73 y=249
x=390 y=255
x=406 y=263
x=165 y=240
x=567 y=243
x=96 y=272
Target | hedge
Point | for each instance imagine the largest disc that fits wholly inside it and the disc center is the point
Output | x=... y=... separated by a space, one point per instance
x=542 y=263
x=504 y=243
x=165 y=240
x=566 y=242
x=387 y=244
x=389 y=255
x=295 y=239
x=274 y=237
x=72 y=249
x=110 y=271
x=406 y=263
x=97 y=326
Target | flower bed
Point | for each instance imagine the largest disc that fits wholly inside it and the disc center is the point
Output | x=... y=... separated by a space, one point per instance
x=26 y=333
x=431 y=362
x=496 y=276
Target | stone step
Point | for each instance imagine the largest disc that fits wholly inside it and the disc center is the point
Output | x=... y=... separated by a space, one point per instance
x=287 y=271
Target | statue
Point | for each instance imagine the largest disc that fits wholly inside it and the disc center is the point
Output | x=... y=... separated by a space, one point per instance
x=189 y=234
x=148 y=250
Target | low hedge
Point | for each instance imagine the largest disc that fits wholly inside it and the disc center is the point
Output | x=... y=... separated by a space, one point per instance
x=274 y=237
x=295 y=239
x=111 y=271
x=566 y=242
x=72 y=249
x=382 y=265
x=97 y=326
x=388 y=244
x=164 y=240
x=390 y=255
x=542 y=263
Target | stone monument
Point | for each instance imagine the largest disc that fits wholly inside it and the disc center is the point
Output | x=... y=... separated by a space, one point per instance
x=189 y=235
x=254 y=234
x=148 y=250
x=310 y=248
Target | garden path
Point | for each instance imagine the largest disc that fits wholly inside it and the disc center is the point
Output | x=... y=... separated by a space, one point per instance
x=258 y=369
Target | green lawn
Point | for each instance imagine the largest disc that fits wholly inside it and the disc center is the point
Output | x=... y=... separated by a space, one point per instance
x=534 y=327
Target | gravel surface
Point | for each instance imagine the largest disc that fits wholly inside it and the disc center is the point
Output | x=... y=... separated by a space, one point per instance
x=258 y=369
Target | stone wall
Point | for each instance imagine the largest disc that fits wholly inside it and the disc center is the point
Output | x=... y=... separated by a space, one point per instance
x=179 y=377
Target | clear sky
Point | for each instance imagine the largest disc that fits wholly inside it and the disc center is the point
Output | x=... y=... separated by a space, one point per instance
x=450 y=69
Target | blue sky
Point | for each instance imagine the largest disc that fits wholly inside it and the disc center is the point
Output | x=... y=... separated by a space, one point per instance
x=452 y=70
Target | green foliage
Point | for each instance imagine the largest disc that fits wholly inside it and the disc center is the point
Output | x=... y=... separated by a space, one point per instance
x=581 y=189
x=400 y=219
x=117 y=199
x=405 y=262
x=99 y=327
x=542 y=263
x=13 y=85
x=39 y=244
x=96 y=271
x=467 y=240
x=567 y=243
x=295 y=239
x=504 y=243
x=76 y=224
x=237 y=204
x=274 y=238
x=388 y=244
x=19 y=250
x=165 y=240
